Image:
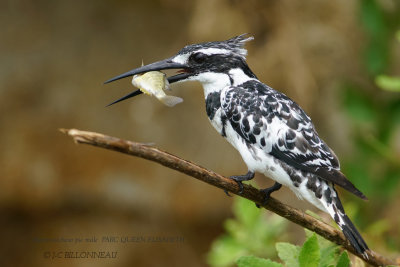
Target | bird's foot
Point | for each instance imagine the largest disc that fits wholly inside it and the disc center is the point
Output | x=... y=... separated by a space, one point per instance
x=267 y=192
x=239 y=179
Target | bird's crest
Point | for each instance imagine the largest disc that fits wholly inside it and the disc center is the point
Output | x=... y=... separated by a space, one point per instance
x=235 y=45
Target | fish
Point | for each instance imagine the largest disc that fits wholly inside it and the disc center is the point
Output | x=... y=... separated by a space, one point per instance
x=154 y=83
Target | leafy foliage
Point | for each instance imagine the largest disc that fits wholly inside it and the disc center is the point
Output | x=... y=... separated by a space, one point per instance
x=247 y=261
x=288 y=253
x=309 y=253
x=252 y=231
x=251 y=237
x=315 y=252
x=343 y=260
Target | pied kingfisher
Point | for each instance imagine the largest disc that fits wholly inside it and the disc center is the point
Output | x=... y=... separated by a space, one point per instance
x=272 y=133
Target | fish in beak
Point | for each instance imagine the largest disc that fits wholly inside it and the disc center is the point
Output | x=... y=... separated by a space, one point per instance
x=156 y=66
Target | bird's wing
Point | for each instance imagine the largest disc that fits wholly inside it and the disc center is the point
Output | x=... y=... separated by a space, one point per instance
x=273 y=122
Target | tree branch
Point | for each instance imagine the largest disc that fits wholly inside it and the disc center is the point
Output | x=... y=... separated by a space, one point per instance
x=212 y=178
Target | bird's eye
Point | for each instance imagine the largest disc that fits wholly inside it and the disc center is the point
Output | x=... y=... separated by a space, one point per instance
x=198 y=57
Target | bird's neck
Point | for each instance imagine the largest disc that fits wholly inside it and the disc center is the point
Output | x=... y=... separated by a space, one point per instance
x=216 y=82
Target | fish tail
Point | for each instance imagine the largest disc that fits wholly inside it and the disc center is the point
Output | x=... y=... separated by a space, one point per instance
x=170 y=100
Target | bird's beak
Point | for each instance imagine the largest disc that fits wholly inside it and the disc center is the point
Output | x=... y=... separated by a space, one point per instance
x=156 y=66
x=159 y=65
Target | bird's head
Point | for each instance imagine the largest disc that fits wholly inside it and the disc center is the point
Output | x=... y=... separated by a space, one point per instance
x=205 y=62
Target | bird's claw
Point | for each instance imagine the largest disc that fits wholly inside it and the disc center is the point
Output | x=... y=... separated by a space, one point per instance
x=239 y=182
x=267 y=193
x=265 y=200
x=241 y=187
x=238 y=179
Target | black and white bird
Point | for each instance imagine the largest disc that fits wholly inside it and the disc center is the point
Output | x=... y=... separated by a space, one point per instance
x=272 y=133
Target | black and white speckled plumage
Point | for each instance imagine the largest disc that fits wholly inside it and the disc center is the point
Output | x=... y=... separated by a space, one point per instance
x=271 y=132
x=271 y=121
x=268 y=121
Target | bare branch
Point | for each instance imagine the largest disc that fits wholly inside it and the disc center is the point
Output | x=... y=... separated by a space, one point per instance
x=212 y=178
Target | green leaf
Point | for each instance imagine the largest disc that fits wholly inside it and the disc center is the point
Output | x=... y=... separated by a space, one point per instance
x=251 y=261
x=225 y=251
x=309 y=255
x=328 y=255
x=388 y=83
x=288 y=253
x=251 y=232
x=246 y=212
x=343 y=260
x=328 y=250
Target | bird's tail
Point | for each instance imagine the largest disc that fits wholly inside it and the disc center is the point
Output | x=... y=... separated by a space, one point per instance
x=355 y=238
x=336 y=211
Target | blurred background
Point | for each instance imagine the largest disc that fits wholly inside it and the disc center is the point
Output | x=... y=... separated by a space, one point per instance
x=338 y=59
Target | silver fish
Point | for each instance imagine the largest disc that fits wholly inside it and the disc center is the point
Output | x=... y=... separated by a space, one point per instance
x=154 y=83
